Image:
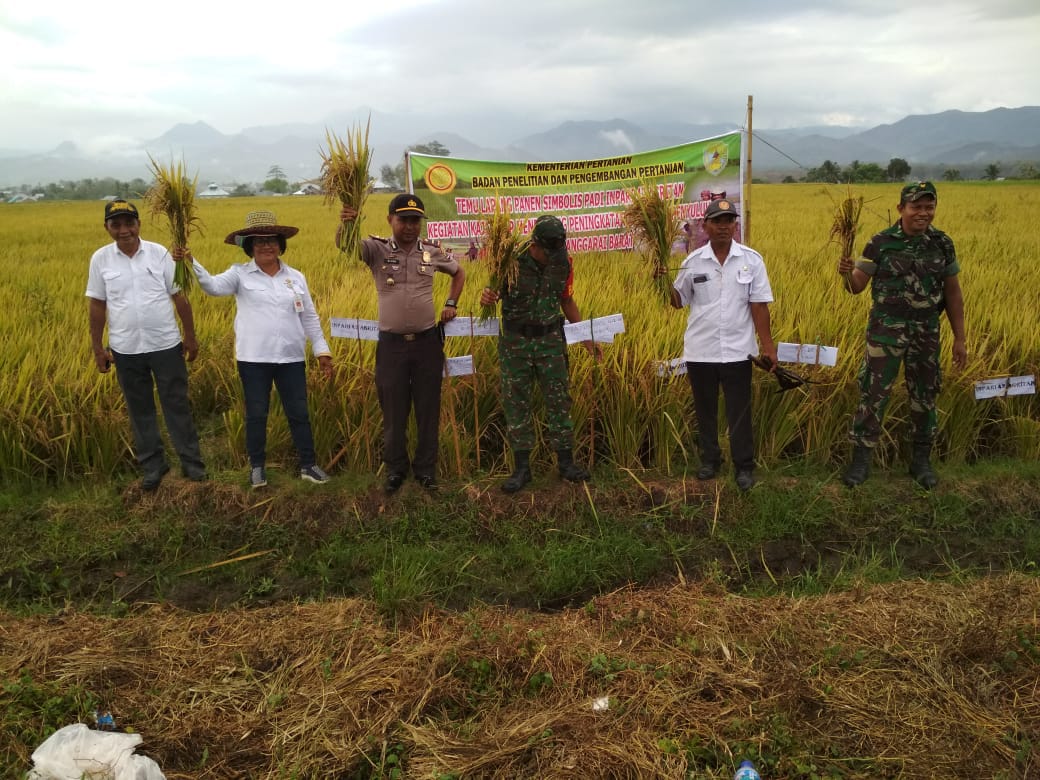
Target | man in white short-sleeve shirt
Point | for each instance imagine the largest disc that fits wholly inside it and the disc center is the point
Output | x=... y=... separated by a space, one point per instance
x=725 y=285
x=130 y=286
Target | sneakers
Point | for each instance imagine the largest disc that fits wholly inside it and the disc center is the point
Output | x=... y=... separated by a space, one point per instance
x=393 y=482
x=314 y=474
x=428 y=481
x=258 y=477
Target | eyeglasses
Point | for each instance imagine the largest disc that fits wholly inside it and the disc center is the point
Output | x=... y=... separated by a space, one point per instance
x=264 y=240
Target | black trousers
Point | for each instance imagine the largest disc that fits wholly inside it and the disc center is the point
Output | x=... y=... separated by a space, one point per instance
x=408 y=374
x=735 y=380
x=135 y=374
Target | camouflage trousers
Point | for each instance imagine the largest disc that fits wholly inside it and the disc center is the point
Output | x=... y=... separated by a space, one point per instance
x=916 y=346
x=523 y=362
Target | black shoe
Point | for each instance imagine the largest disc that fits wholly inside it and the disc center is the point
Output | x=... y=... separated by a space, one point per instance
x=428 y=481
x=572 y=472
x=707 y=471
x=151 y=481
x=393 y=482
x=517 y=480
x=745 y=479
x=195 y=474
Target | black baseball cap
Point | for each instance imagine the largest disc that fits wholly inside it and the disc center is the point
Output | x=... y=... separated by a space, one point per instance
x=407 y=205
x=120 y=208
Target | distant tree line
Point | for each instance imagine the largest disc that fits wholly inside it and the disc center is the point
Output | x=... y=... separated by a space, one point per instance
x=899 y=169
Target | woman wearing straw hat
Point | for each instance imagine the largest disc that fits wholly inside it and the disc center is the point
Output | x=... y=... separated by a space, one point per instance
x=275 y=317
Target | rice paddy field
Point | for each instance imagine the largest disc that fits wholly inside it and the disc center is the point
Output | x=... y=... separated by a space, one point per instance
x=61 y=420
x=643 y=625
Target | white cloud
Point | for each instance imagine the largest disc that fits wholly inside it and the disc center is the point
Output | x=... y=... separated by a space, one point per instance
x=74 y=71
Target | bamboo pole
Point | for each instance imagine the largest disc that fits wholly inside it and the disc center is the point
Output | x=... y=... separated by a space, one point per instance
x=747 y=174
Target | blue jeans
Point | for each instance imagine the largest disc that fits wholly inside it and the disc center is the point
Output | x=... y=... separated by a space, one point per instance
x=291 y=381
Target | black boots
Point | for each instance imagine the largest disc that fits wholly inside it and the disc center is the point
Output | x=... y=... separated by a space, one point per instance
x=521 y=475
x=921 y=466
x=859 y=468
x=570 y=470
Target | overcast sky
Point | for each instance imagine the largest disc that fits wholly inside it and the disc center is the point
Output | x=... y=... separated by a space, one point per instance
x=96 y=72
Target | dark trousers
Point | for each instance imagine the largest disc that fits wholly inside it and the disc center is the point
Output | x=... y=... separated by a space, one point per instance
x=735 y=380
x=291 y=381
x=140 y=377
x=408 y=374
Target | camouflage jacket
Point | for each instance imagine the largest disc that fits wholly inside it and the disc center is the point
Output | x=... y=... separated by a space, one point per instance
x=536 y=295
x=908 y=272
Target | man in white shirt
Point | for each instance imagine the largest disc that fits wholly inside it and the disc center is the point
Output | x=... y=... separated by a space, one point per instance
x=130 y=285
x=727 y=289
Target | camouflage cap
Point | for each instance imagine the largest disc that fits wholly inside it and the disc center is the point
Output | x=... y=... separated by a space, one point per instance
x=917 y=190
x=548 y=228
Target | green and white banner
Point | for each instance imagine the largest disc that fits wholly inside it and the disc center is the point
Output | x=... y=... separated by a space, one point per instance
x=590 y=196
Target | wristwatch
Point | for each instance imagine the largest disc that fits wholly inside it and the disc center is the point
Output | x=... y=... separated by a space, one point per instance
x=451 y=303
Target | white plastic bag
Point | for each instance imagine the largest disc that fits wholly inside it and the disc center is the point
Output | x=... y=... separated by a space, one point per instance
x=75 y=751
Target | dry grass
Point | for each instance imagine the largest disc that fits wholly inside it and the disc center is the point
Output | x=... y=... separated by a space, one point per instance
x=911 y=679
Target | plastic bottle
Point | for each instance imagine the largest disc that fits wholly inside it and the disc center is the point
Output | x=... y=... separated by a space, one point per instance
x=747 y=771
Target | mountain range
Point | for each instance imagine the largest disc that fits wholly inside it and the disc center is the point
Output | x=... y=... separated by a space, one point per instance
x=948 y=139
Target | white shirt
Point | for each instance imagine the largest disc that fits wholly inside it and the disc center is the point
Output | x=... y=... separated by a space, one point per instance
x=719 y=328
x=268 y=327
x=136 y=291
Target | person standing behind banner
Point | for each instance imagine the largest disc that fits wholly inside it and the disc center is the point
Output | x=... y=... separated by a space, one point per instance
x=274 y=319
x=130 y=286
x=532 y=347
x=727 y=289
x=410 y=351
x=912 y=270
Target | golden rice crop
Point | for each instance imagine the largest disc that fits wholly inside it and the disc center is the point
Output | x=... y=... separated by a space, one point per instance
x=173 y=196
x=61 y=419
x=655 y=226
x=846 y=225
x=345 y=179
x=504 y=242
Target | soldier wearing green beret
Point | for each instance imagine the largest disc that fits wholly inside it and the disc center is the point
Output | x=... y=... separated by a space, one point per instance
x=912 y=269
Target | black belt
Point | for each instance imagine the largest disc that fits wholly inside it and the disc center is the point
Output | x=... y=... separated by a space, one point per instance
x=385 y=335
x=531 y=330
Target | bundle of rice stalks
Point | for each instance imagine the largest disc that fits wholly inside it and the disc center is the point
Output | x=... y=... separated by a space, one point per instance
x=173 y=196
x=655 y=227
x=503 y=245
x=344 y=178
x=846 y=223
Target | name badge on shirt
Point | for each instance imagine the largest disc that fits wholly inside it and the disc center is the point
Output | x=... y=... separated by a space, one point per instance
x=699 y=278
x=297 y=298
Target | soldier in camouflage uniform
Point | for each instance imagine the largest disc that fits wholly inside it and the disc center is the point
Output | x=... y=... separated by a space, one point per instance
x=912 y=268
x=531 y=347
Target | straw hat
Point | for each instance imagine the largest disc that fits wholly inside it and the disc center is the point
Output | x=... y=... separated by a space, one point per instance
x=260 y=223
